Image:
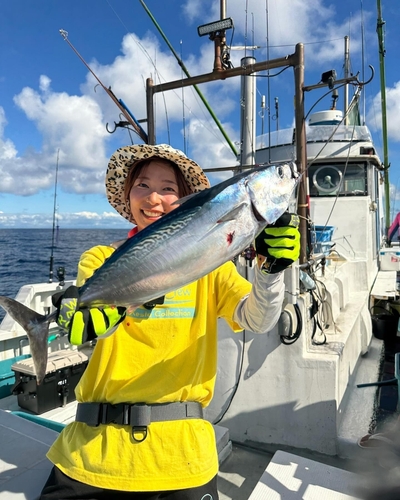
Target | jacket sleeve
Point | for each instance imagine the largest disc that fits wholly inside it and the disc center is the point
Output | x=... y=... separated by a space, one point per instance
x=90 y=261
x=260 y=310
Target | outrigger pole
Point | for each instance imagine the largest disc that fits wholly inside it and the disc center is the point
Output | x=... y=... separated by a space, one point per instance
x=386 y=164
x=196 y=88
x=124 y=110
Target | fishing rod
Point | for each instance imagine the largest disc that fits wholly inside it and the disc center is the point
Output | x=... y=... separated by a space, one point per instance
x=54 y=223
x=386 y=164
x=121 y=105
x=196 y=88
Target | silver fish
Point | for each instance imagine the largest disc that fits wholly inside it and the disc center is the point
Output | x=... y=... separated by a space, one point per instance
x=205 y=231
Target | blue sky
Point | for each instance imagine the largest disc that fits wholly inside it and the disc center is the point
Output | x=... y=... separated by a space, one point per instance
x=49 y=102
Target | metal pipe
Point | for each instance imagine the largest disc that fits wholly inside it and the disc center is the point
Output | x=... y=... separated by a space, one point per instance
x=151 y=134
x=218 y=54
x=223 y=9
x=301 y=153
x=386 y=164
x=228 y=73
x=223 y=16
x=247 y=116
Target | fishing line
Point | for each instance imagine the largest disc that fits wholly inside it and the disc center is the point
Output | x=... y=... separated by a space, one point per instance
x=350 y=108
x=344 y=170
x=142 y=48
x=205 y=121
x=183 y=108
x=304 y=43
x=54 y=222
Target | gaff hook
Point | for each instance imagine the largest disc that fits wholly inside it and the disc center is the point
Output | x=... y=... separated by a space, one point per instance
x=116 y=125
x=111 y=131
x=368 y=81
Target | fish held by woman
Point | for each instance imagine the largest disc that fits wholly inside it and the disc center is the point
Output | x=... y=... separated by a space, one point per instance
x=205 y=231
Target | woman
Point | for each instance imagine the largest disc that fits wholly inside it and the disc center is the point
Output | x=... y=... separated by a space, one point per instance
x=140 y=430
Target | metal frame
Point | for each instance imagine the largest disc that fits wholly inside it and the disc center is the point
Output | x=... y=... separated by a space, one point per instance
x=295 y=60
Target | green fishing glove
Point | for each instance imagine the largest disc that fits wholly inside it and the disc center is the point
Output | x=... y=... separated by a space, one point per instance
x=84 y=324
x=279 y=243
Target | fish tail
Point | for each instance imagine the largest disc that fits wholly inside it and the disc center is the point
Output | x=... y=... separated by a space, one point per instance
x=37 y=328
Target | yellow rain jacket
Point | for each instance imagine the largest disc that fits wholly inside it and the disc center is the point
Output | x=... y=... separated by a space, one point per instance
x=166 y=354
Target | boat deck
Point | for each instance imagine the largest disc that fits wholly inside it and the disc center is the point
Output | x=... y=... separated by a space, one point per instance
x=250 y=470
x=247 y=473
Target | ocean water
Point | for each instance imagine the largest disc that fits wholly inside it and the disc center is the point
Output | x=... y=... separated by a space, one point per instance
x=25 y=254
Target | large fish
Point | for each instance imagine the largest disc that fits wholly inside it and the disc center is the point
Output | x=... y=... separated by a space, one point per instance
x=206 y=230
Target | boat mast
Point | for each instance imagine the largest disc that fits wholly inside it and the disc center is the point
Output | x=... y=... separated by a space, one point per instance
x=386 y=164
x=247 y=116
x=346 y=75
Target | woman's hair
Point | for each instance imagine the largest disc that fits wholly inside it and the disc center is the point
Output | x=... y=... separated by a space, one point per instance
x=135 y=171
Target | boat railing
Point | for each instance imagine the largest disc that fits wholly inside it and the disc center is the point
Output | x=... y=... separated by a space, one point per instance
x=36 y=297
x=316 y=133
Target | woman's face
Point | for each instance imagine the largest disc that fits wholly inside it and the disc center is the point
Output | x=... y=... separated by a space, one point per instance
x=153 y=193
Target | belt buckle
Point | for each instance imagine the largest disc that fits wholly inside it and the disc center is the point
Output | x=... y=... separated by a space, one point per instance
x=111 y=414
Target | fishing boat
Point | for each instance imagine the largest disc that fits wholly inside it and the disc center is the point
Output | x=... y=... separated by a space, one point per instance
x=290 y=405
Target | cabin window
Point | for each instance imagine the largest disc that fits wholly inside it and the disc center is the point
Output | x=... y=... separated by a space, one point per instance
x=337 y=179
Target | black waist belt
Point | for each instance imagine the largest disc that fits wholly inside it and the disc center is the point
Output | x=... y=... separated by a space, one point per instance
x=136 y=415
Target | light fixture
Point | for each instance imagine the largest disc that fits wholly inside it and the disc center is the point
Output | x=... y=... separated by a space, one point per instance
x=329 y=78
x=210 y=28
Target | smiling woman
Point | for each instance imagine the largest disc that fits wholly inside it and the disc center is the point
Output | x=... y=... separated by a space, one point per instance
x=127 y=163
x=160 y=356
x=152 y=196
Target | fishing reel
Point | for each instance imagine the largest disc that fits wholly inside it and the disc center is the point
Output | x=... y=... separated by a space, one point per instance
x=61 y=275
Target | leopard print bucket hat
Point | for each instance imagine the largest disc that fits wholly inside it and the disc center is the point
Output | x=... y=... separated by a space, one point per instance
x=124 y=158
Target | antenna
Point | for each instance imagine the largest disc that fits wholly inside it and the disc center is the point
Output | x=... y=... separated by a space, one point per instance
x=363 y=58
x=54 y=222
x=268 y=81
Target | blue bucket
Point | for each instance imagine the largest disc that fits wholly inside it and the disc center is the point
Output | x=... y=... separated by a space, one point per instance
x=322 y=234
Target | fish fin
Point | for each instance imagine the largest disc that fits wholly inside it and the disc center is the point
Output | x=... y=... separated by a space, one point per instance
x=231 y=215
x=116 y=244
x=37 y=328
x=130 y=309
x=182 y=200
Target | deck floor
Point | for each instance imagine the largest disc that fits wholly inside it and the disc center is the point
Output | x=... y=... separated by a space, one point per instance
x=241 y=471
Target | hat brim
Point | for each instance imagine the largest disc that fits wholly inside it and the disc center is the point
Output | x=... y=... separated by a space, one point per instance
x=124 y=158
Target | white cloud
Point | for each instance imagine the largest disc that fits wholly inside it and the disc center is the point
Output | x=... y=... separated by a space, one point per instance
x=7 y=148
x=75 y=124
x=374 y=115
x=288 y=21
x=108 y=220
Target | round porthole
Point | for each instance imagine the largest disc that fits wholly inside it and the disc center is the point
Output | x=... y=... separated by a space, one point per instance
x=327 y=179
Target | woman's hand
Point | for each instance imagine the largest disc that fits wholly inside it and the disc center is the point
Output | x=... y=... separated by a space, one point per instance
x=85 y=324
x=279 y=244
